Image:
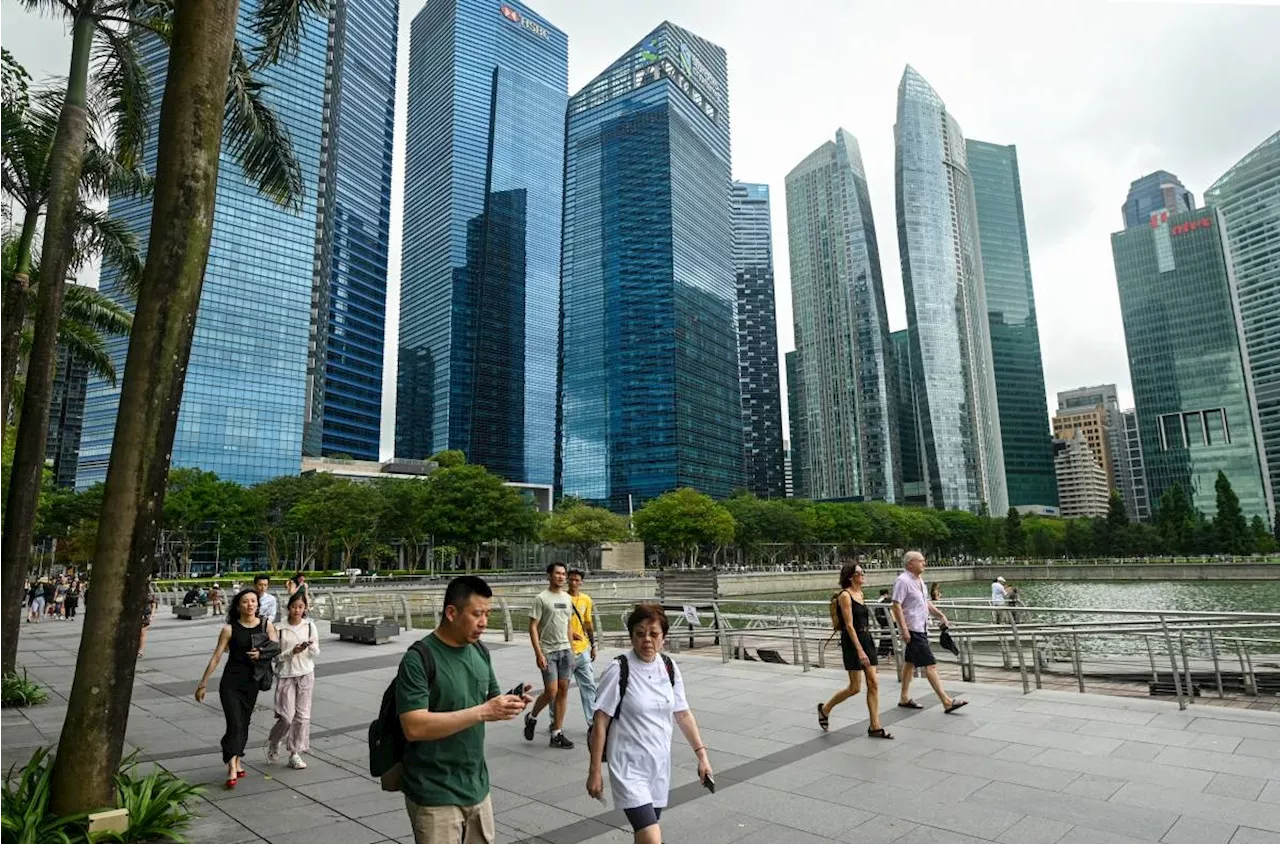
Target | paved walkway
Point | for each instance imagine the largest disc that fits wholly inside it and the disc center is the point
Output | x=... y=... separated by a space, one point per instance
x=1036 y=769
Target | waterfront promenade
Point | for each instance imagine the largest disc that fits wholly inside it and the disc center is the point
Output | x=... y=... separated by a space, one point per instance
x=1045 y=767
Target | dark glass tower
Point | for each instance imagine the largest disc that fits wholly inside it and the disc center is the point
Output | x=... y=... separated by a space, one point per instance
x=1015 y=334
x=1194 y=397
x=66 y=417
x=798 y=421
x=1153 y=193
x=909 y=449
x=243 y=405
x=349 y=291
x=484 y=174
x=650 y=399
x=757 y=342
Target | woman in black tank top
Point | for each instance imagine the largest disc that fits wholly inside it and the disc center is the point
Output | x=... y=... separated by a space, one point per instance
x=858 y=648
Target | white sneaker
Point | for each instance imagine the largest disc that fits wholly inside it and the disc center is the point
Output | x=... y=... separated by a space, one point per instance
x=273 y=752
x=295 y=762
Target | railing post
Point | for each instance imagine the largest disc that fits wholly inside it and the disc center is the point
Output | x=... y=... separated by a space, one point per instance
x=1253 y=678
x=800 y=635
x=1186 y=667
x=1035 y=658
x=408 y=619
x=1151 y=657
x=1076 y=663
x=1022 y=665
x=1173 y=662
x=506 y=619
x=1217 y=671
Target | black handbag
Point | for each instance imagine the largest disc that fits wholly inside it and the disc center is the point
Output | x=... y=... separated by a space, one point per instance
x=264 y=668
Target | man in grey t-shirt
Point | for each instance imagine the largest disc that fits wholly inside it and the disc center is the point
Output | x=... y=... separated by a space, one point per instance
x=549 y=634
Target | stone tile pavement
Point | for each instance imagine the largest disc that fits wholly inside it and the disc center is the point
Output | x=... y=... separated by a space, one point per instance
x=1037 y=769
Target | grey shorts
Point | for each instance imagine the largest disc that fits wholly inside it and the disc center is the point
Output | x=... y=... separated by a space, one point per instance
x=559 y=667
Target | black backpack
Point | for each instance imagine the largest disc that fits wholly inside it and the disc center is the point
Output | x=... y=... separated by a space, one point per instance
x=624 y=677
x=386 y=737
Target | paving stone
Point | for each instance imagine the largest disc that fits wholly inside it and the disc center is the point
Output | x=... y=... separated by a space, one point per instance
x=1035 y=831
x=1211 y=807
x=1099 y=788
x=341 y=832
x=1231 y=785
x=394 y=824
x=1247 y=835
x=1096 y=815
x=879 y=829
x=1199 y=831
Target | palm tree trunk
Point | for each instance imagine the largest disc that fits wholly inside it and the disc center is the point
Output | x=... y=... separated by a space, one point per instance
x=65 y=159
x=190 y=137
x=15 y=307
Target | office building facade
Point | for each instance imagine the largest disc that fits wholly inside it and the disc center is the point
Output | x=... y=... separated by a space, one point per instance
x=938 y=241
x=243 y=403
x=796 y=419
x=480 y=274
x=66 y=418
x=764 y=473
x=1123 y=465
x=1191 y=384
x=1011 y=320
x=1091 y=422
x=1248 y=199
x=1160 y=191
x=841 y=328
x=1082 y=483
x=650 y=396
x=343 y=412
x=909 y=450
x=1137 y=502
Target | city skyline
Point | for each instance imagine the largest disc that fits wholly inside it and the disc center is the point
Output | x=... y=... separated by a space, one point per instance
x=1077 y=157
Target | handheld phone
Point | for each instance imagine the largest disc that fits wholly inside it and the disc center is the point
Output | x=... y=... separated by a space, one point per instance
x=518 y=691
x=709 y=784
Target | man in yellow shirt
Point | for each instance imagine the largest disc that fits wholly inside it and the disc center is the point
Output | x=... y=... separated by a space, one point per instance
x=582 y=638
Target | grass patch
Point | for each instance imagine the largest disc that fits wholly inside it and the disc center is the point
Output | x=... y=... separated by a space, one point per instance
x=21 y=691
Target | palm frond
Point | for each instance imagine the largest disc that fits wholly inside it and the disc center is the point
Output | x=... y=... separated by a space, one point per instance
x=102 y=174
x=258 y=141
x=89 y=346
x=91 y=309
x=123 y=91
x=27 y=143
x=279 y=24
x=100 y=234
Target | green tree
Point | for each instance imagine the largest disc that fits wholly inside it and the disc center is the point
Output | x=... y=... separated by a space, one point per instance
x=964 y=531
x=406 y=502
x=1229 y=525
x=468 y=505
x=1263 y=543
x=1015 y=541
x=679 y=522
x=200 y=508
x=1176 y=521
x=449 y=459
x=1045 y=537
x=1114 y=538
x=271 y=502
x=1079 y=537
x=847 y=526
x=345 y=512
x=582 y=528
x=206 y=82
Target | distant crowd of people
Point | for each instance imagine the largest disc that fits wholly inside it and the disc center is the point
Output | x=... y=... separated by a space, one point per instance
x=53 y=597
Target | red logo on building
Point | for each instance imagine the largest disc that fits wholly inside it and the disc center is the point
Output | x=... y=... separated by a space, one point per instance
x=1159 y=218
x=510 y=14
x=1192 y=225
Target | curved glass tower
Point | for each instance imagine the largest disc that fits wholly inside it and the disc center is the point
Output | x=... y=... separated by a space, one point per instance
x=959 y=420
x=842 y=330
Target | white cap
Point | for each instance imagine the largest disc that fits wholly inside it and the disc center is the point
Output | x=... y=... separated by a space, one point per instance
x=999 y=580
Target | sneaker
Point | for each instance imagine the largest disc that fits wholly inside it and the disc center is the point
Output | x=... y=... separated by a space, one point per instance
x=530 y=727
x=273 y=752
x=295 y=762
x=559 y=740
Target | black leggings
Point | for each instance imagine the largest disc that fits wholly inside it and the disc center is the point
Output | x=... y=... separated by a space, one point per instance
x=239 y=694
x=643 y=816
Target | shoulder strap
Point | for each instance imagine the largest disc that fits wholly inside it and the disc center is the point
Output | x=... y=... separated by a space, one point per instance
x=484 y=651
x=624 y=676
x=428 y=661
x=671 y=668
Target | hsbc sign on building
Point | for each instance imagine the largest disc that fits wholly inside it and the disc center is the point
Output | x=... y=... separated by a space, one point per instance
x=515 y=17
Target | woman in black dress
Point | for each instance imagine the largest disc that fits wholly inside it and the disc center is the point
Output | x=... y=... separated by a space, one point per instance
x=858 y=648
x=247 y=638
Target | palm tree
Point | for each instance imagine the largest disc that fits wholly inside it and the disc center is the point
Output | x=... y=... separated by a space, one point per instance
x=197 y=99
x=105 y=48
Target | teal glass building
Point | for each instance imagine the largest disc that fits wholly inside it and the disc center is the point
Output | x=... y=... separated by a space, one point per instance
x=1248 y=199
x=243 y=404
x=799 y=424
x=649 y=392
x=909 y=448
x=1011 y=318
x=1191 y=387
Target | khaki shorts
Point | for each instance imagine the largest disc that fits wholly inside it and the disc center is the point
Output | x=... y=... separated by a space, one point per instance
x=451 y=824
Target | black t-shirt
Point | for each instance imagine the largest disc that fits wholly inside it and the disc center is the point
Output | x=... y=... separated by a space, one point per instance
x=49 y=589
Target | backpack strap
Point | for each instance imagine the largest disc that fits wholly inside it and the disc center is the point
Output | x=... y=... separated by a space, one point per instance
x=671 y=668
x=428 y=661
x=624 y=676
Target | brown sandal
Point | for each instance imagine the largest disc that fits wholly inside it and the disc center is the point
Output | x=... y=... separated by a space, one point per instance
x=880 y=733
x=824 y=720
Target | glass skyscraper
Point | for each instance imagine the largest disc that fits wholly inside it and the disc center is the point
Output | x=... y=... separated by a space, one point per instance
x=66 y=417
x=1248 y=198
x=962 y=455
x=796 y=418
x=484 y=175
x=243 y=403
x=1011 y=318
x=1191 y=386
x=757 y=341
x=650 y=398
x=841 y=328
x=913 y=487
x=349 y=291
x=1158 y=191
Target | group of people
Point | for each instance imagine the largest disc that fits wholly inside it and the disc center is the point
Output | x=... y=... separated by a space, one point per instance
x=58 y=598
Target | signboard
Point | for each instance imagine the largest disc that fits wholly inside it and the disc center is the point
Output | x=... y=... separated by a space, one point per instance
x=517 y=18
x=1192 y=225
x=691 y=615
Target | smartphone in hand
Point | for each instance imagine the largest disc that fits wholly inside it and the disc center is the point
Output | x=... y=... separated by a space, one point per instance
x=709 y=784
x=518 y=691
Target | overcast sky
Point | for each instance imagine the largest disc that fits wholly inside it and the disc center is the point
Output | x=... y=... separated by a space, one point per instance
x=1094 y=95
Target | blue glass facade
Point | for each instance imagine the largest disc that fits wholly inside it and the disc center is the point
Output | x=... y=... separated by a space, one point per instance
x=484 y=175
x=1154 y=192
x=650 y=398
x=962 y=456
x=349 y=293
x=243 y=404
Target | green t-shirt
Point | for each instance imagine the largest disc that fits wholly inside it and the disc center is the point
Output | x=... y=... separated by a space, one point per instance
x=452 y=770
x=552 y=611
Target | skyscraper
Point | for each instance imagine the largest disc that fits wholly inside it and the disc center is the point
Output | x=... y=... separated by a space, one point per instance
x=1158 y=191
x=1248 y=199
x=243 y=404
x=1092 y=422
x=66 y=417
x=1011 y=317
x=1191 y=385
x=650 y=399
x=484 y=169
x=349 y=288
x=913 y=488
x=758 y=342
x=841 y=327
x=796 y=419
x=1140 y=508
x=1082 y=483
x=962 y=455
x=1122 y=463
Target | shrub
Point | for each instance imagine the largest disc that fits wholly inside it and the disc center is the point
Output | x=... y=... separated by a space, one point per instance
x=24 y=807
x=20 y=691
x=158 y=804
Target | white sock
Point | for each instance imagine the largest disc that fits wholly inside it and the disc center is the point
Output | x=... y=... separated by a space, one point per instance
x=555 y=733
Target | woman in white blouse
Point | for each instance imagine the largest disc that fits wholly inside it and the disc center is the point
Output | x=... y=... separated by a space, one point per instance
x=295 y=681
x=639 y=696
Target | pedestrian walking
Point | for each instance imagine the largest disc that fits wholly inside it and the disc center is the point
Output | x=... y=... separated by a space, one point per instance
x=268 y=606
x=445 y=778
x=152 y=601
x=582 y=636
x=911 y=609
x=50 y=591
x=72 y=602
x=296 y=584
x=36 y=601
x=295 y=681
x=858 y=649
x=248 y=640
x=641 y=694
x=549 y=632
x=882 y=620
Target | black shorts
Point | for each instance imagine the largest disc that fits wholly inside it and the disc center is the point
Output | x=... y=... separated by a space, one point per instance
x=643 y=816
x=918 y=652
x=850 y=653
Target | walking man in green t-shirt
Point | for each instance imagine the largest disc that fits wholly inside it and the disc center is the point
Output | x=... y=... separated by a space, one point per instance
x=549 y=633
x=446 y=781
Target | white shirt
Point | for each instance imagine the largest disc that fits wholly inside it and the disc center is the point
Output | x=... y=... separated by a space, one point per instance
x=640 y=738
x=268 y=606
x=997 y=592
x=908 y=590
x=289 y=664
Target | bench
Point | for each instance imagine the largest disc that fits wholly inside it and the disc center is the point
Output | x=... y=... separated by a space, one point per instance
x=190 y=613
x=1166 y=687
x=368 y=631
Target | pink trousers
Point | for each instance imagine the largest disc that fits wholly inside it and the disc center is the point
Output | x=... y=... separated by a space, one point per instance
x=293 y=712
